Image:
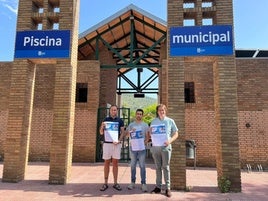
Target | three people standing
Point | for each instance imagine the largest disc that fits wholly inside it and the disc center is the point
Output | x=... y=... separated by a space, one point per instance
x=163 y=132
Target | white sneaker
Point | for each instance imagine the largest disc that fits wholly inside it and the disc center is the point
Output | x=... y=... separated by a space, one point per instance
x=144 y=188
x=131 y=186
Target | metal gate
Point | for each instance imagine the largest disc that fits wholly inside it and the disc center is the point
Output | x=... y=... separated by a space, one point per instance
x=124 y=114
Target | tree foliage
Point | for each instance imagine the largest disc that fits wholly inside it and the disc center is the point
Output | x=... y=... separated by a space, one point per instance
x=148 y=105
x=149 y=114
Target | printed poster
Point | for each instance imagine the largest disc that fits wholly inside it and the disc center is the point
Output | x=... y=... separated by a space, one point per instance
x=159 y=135
x=111 y=131
x=137 y=140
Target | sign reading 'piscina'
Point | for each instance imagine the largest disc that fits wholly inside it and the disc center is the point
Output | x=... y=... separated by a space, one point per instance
x=201 y=40
x=43 y=44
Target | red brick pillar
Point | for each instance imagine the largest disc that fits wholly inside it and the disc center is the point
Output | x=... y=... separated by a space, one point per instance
x=64 y=100
x=30 y=17
x=20 y=107
x=174 y=82
x=19 y=121
x=176 y=110
x=226 y=106
x=225 y=98
x=63 y=123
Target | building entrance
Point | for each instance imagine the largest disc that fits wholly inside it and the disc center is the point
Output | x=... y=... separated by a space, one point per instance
x=132 y=40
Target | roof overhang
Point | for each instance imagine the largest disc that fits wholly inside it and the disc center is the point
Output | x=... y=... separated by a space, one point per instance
x=129 y=33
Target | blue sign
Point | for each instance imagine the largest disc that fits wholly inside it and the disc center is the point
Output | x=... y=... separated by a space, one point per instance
x=201 y=40
x=43 y=44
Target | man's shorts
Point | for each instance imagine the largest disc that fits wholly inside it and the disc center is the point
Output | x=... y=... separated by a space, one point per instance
x=111 y=150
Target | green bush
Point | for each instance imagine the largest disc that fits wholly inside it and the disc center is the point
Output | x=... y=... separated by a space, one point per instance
x=224 y=184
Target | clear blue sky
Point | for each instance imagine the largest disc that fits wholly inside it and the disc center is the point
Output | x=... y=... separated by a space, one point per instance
x=250 y=20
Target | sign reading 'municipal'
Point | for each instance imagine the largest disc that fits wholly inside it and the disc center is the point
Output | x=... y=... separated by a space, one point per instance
x=201 y=40
x=43 y=44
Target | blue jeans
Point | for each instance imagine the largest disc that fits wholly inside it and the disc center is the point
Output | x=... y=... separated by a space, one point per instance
x=136 y=156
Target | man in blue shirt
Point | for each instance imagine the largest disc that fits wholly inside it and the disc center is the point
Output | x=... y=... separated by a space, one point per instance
x=112 y=128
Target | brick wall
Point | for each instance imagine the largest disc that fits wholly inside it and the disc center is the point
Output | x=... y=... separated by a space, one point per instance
x=42 y=118
x=108 y=79
x=84 y=142
x=174 y=83
x=199 y=117
x=200 y=127
x=5 y=73
x=84 y=149
x=253 y=110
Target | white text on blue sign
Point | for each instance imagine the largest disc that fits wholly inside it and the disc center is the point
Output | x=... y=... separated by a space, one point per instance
x=43 y=44
x=201 y=40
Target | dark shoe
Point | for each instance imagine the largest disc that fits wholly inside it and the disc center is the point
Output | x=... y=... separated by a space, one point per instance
x=156 y=190
x=117 y=187
x=104 y=187
x=168 y=193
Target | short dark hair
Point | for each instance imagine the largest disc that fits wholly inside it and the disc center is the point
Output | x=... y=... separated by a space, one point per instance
x=140 y=110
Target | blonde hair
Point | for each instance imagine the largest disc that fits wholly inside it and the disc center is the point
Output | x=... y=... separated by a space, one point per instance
x=160 y=106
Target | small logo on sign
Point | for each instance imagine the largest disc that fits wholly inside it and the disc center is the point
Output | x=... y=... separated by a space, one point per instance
x=200 y=50
x=40 y=53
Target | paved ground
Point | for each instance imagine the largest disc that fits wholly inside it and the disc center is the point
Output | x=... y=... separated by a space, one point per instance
x=87 y=178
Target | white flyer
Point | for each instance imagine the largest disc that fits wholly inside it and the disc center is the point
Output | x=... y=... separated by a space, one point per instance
x=111 y=131
x=137 y=140
x=159 y=135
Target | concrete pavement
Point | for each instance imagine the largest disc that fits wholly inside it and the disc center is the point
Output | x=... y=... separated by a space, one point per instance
x=87 y=178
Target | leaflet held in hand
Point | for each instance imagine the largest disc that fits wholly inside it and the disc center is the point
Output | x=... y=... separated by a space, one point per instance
x=159 y=135
x=111 y=131
x=137 y=140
